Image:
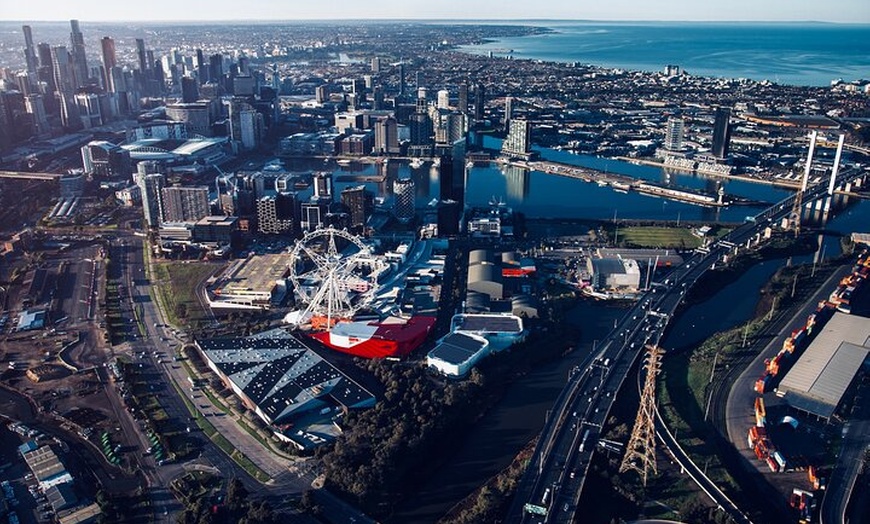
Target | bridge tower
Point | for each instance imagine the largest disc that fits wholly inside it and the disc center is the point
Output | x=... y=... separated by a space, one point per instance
x=797 y=210
x=640 y=454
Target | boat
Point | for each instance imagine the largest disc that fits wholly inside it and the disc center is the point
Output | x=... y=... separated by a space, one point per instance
x=416 y=163
x=392 y=337
x=343 y=162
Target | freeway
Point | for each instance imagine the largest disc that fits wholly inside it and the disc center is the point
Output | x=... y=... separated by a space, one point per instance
x=550 y=489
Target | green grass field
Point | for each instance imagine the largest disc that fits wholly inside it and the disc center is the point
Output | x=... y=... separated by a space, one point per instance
x=657 y=237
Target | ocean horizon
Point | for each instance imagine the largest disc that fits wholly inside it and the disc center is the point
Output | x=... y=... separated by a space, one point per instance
x=794 y=53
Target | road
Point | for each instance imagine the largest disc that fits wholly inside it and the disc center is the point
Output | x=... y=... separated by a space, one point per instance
x=156 y=350
x=551 y=487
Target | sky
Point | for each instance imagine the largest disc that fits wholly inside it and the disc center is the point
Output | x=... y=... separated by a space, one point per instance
x=852 y=11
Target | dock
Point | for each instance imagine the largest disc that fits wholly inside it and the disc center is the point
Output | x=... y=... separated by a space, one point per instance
x=625 y=183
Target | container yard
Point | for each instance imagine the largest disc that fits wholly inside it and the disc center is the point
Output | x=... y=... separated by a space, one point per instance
x=793 y=429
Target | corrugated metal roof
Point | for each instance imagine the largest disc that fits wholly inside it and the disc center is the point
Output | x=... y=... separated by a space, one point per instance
x=819 y=379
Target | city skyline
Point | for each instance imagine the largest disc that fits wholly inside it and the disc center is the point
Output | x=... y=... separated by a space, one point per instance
x=847 y=11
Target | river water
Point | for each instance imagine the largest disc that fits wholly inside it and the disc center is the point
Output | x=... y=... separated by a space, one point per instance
x=518 y=417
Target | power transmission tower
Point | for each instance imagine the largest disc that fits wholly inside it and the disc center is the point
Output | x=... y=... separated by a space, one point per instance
x=640 y=453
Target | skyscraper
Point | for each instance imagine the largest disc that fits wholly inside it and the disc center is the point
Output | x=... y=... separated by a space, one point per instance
x=322 y=187
x=275 y=214
x=405 y=202
x=479 y=100
x=358 y=202
x=185 y=204
x=401 y=78
x=508 y=112
x=151 y=186
x=189 y=90
x=517 y=142
x=61 y=63
x=109 y=63
x=721 y=132
x=376 y=64
x=29 y=50
x=463 y=98
x=443 y=99
x=79 y=58
x=45 y=73
x=674 y=134
x=143 y=57
x=387 y=136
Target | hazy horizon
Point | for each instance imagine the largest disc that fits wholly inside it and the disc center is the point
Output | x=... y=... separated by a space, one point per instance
x=840 y=11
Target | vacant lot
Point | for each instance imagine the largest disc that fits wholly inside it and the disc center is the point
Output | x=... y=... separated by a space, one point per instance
x=176 y=284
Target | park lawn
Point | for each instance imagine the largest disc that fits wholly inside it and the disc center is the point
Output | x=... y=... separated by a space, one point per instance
x=658 y=237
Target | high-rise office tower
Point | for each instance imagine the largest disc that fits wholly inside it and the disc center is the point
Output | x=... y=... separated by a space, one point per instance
x=29 y=51
x=479 y=101
x=508 y=112
x=405 y=202
x=358 y=202
x=419 y=79
x=151 y=186
x=674 y=134
x=35 y=106
x=110 y=61
x=377 y=98
x=322 y=187
x=185 y=204
x=79 y=57
x=721 y=132
x=420 y=128
x=387 y=136
x=376 y=64
x=189 y=90
x=517 y=142
x=140 y=53
x=401 y=78
x=61 y=63
x=216 y=68
x=443 y=99
x=201 y=67
x=45 y=73
x=455 y=127
x=463 y=98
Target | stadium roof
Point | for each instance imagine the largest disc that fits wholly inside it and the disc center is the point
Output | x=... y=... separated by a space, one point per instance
x=457 y=348
x=820 y=378
x=281 y=376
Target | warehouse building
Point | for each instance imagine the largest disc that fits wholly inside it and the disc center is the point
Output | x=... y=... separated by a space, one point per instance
x=614 y=273
x=280 y=379
x=821 y=377
x=457 y=353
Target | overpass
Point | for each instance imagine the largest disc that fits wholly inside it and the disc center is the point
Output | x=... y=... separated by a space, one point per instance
x=550 y=489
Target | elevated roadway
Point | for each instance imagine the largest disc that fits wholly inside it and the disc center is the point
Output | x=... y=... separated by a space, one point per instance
x=551 y=487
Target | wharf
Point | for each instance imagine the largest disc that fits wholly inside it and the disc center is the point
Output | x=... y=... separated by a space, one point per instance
x=763 y=179
x=626 y=183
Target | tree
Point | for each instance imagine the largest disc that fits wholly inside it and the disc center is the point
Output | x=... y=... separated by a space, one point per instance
x=237 y=495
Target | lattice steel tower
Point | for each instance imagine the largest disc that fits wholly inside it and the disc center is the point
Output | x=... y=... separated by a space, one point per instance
x=640 y=454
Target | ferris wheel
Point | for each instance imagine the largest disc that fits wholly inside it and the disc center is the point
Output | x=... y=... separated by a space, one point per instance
x=334 y=273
